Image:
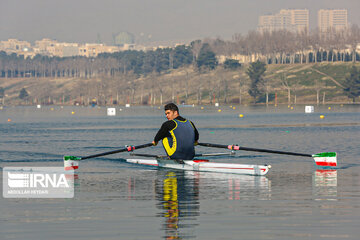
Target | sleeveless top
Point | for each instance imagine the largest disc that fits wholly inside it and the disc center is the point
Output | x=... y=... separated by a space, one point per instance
x=181 y=143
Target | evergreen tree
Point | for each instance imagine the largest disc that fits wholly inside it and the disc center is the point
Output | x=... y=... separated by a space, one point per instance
x=23 y=94
x=231 y=64
x=353 y=84
x=207 y=58
x=182 y=56
x=256 y=72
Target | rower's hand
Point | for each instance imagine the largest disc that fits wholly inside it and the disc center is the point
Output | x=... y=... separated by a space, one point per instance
x=196 y=143
x=154 y=143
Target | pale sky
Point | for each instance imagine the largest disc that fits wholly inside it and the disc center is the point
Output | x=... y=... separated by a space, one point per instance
x=83 y=20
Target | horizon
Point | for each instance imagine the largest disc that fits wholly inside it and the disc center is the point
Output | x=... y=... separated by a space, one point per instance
x=87 y=21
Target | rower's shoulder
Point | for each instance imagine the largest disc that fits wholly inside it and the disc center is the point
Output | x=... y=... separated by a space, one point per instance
x=181 y=119
x=168 y=124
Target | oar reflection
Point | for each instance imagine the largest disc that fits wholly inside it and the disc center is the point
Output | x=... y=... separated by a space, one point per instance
x=325 y=184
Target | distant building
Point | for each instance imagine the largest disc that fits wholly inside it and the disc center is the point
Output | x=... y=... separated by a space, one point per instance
x=332 y=19
x=63 y=49
x=42 y=45
x=294 y=20
x=123 y=38
x=53 y=48
x=14 y=46
x=94 y=49
x=70 y=49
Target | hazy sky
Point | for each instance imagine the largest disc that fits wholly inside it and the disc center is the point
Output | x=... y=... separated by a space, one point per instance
x=83 y=20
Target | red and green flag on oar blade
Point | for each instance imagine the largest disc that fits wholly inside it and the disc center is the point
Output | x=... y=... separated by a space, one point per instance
x=71 y=163
x=325 y=159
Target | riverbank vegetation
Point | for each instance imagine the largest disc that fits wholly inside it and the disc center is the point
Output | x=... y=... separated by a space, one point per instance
x=296 y=68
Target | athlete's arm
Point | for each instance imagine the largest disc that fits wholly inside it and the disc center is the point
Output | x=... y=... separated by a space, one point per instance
x=196 y=132
x=164 y=131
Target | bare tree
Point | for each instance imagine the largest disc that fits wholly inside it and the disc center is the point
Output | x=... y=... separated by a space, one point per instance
x=353 y=40
x=319 y=85
x=267 y=87
x=285 y=83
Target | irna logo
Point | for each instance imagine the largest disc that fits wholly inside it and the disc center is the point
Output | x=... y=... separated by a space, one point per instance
x=38 y=182
x=35 y=180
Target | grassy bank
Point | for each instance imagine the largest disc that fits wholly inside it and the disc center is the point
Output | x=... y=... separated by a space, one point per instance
x=307 y=83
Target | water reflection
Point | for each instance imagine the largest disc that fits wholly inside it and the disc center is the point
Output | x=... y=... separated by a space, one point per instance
x=232 y=186
x=171 y=206
x=178 y=200
x=239 y=188
x=325 y=184
x=178 y=194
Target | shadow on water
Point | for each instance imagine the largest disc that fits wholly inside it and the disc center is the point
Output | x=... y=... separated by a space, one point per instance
x=347 y=166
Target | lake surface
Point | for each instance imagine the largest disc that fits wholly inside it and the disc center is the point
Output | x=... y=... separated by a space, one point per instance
x=117 y=200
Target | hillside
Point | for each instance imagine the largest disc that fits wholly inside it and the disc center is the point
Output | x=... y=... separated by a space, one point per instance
x=307 y=83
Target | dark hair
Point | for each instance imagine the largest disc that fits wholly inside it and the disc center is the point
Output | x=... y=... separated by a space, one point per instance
x=172 y=107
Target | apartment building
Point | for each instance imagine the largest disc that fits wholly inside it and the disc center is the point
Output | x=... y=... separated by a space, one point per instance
x=42 y=45
x=14 y=45
x=63 y=49
x=294 y=20
x=53 y=48
x=94 y=49
x=332 y=19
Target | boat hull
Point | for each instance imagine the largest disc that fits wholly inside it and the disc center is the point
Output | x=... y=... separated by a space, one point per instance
x=205 y=166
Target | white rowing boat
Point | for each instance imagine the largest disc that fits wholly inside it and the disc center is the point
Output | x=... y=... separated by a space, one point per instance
x=325 y=159
x=204 y=166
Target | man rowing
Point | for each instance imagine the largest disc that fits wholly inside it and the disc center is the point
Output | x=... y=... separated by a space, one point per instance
x=178 y=135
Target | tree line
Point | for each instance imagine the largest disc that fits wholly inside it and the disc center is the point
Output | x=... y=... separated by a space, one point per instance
x=106 y=64
x=277 y=47
x=284 y=47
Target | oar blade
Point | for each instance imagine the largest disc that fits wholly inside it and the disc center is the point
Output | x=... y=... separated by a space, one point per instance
x=71 y=162
x=325 y=159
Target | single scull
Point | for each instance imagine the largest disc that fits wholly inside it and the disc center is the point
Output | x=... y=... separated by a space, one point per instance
x=205 y=166
x=325 y=159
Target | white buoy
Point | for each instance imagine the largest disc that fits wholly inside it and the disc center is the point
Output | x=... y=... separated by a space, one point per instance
x=38 y=106
x=309 y=109
x=127 y=105
x=111 y=111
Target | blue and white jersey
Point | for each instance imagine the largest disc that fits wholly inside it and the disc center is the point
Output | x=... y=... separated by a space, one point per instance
x=180 y=144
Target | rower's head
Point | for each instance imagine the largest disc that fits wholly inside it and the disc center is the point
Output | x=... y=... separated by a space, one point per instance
x=171 y=111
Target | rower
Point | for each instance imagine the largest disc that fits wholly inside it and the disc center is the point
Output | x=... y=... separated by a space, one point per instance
x=178 y=135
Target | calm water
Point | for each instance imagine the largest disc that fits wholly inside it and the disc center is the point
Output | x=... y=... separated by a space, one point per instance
x=116 y=200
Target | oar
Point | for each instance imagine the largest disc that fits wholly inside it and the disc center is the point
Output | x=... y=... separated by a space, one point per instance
x=321 y=159
x=72 y=162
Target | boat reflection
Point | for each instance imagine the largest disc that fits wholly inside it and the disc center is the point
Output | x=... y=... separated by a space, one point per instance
x=179 y=193
x=232 y=186
x=325 y=184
